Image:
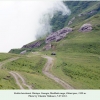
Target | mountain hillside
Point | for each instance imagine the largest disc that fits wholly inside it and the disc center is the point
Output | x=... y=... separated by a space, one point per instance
x=81 y=12
x=75 y=41
x=85 y=9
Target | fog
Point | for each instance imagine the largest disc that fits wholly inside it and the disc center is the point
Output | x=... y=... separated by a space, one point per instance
x=21 y=20
x=44 y=26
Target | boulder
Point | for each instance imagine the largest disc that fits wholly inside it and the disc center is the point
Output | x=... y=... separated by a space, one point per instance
x=23 y=52
x=71 y=21
x=86 y=27
x=80 y=15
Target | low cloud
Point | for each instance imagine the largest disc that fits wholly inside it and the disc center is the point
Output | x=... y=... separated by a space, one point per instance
x=20 y=20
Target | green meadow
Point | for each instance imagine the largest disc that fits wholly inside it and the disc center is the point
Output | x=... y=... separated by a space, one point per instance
x=77 y=59
x=30 y=68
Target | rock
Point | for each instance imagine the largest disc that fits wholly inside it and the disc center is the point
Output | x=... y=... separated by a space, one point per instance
x=71 y=21
x=91 y=12
x=57 y=36
x=47 y=47
x=80 y=15
x=33 y=45
x=86 y=28
x=87 y=13
x=23 y=52
x=36 y=44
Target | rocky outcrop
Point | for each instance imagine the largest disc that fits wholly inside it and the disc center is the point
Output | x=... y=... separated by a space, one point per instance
x=57 y=36
x=23 y=52
x=71 y=21
x=87 y=13
x=33 y=45
x=47 y=47
x=86 y=27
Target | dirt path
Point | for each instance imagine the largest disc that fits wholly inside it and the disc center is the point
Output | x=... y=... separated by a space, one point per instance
x=17 y=77
x=15 y=74
x=46 y=71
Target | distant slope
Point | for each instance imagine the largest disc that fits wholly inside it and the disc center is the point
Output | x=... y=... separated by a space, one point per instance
x=5 y=56
x=82 y=42
x=77 y=7
x=33 y=46
x=59 y=21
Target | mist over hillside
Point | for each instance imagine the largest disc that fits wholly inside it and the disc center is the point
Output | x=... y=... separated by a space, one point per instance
x=66 y=14
x=44 y=27
x=22 y=20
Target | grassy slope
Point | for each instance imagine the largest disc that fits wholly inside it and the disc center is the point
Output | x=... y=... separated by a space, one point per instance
x=7 y=81
x=59 y=21
x=81 y=70
x=78 y=56
x=78 y=7
x=31 y=69
x=5 y=56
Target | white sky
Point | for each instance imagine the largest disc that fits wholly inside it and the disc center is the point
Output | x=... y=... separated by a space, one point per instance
x=19 y=21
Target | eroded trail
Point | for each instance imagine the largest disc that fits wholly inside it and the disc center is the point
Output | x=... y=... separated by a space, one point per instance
x=46 y=71
x=17 y=76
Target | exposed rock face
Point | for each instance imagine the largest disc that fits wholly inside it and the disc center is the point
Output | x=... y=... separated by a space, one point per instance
x=33 y=45
x=86 y=28
x=47 y=47
x=57 y=36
